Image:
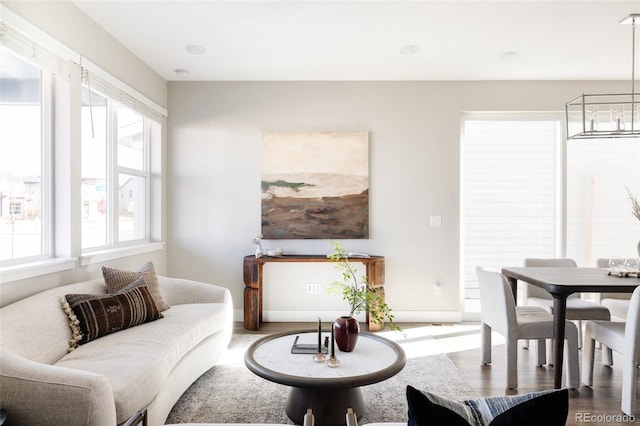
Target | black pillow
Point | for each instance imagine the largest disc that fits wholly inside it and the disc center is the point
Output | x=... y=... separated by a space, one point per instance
x=547 y=408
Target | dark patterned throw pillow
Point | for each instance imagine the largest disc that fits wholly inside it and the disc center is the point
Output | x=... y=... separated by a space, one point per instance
x=547 y=408
x=92 y=316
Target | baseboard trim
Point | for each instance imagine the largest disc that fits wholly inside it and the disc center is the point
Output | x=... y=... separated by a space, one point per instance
x=399 y=316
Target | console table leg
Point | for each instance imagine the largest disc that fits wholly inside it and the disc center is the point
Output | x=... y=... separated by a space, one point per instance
x=252 y=271
x=251 y=308
x=375 y=275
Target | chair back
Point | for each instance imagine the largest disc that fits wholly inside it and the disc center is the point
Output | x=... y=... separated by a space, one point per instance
x=604 y=263
x=557 y=262
x=497 y=306
x=632 y=327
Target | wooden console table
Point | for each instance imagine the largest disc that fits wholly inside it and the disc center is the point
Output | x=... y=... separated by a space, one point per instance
x=253 y=281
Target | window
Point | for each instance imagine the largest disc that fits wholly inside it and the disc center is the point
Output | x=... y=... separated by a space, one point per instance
x=94 y=169
x=88 y=199
x=115 y=173
x=509 y=195
x=24 y=135
x=132 y=175
x=513 y=205
x=599 y=220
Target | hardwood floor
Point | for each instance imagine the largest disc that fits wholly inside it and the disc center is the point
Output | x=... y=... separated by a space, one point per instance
x=599 y=405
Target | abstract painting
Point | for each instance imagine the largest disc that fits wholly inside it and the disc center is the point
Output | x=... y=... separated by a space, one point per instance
x=315 y=185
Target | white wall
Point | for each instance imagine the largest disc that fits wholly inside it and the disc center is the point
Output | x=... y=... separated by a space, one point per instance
x=214 y=180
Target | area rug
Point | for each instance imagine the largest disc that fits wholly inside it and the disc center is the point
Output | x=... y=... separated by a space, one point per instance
x=230 y=393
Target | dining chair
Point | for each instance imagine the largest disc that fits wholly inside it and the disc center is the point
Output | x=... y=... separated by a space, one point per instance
x=622 y=337
x=499 y=313
x=617 y=303
x=578 y=309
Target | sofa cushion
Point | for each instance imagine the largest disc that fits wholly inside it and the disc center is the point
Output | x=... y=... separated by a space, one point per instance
x=532 y=409
x=21 y=323
x=137 y=361
x=93 y=316
x=117 y=279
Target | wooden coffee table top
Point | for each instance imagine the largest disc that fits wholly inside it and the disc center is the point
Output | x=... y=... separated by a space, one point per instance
x=374 y=359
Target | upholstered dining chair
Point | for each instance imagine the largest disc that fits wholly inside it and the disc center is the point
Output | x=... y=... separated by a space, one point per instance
x=578 y=309
x=617 y=303
x=622 y=337
x=499 y=313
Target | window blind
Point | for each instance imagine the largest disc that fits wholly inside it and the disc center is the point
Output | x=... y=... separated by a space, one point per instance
x=509 y=194
x=599 y=219
x=26 y=39
x=112 y=88
x=48 y=57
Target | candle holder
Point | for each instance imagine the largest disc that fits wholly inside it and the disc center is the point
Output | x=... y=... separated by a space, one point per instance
x=319 y=357
x=333 y=362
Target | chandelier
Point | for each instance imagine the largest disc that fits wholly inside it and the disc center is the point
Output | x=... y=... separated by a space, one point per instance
x=607 y=115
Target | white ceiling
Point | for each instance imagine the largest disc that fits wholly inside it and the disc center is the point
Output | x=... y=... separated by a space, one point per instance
x=362 y=40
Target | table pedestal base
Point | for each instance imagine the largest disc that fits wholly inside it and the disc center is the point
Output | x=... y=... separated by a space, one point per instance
x=329 y=405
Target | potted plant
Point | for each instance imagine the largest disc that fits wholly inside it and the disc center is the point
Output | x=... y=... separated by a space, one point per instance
x=360 y=297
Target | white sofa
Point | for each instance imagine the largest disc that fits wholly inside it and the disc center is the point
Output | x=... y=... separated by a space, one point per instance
x=143 y=369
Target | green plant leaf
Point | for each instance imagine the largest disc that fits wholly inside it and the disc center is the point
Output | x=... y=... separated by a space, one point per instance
x=357 y=293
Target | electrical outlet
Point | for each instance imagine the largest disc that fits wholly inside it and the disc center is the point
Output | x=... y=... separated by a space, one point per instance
x=437 y=288
x=435 y=220
x=317 y=288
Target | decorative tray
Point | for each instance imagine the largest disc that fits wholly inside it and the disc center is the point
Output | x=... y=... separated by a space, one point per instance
x=623 y=272
x=309 y=348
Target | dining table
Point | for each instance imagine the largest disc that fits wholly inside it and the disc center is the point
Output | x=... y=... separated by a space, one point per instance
x=561 y=283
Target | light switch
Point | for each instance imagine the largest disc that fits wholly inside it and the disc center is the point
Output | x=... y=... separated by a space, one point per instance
x=435 y=220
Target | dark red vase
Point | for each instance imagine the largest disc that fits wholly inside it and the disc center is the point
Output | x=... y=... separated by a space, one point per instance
x=346 y=330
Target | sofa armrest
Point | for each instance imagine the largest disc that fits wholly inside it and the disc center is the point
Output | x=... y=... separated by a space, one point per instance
x=35 y=393
x=177 y=291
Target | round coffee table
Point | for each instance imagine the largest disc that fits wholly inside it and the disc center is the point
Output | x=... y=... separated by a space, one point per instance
x=327 y=391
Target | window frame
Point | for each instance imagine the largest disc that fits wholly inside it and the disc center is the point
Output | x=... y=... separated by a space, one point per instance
x=47 y=214
x=113 y=171
x=66 y=67
x=559 y=184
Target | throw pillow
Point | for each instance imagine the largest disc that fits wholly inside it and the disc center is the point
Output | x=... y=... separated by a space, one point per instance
x=117 y=279
x=538 y=408
x=92 y=316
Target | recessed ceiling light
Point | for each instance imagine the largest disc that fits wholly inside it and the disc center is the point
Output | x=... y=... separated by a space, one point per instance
x=181 y=71
x=509 y=55
x=409 y=49
x=194 y=49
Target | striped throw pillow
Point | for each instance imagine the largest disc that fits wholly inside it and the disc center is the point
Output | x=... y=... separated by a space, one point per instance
x=117 y=279
x=549 y=408
x=92 y=316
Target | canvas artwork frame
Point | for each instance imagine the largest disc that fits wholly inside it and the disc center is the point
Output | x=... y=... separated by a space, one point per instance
x=315 y=185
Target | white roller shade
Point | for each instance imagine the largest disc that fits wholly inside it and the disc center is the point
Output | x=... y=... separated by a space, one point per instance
x=510 y=203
